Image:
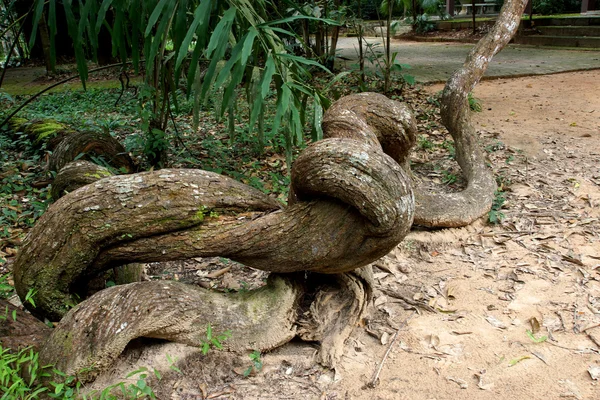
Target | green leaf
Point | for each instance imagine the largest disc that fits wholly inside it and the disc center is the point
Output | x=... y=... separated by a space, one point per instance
x=247 y=46
x=160 y=36
x=317 y=120
x=216 y=47
x=283 y=103
x=102 y=14
x=303 y=60
x=541 y=339
x=200 y=18
x=155 y=15
x=52 y=29
x=409 y=79
x=515 y=361
x=38 y=8
x=265 y=82
x=297 y=17
x=137 y=371
x=58 y=388
x=77 y=45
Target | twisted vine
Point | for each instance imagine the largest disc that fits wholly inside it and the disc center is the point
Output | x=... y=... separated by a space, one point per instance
x=351 y=203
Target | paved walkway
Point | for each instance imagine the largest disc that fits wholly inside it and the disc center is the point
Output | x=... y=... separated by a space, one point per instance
x=435 y=62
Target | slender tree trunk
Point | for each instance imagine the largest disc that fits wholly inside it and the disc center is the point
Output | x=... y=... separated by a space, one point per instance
x=414 y=12
x=473 y=16
x=388 y=50
x=46 y=47
x=361 y=56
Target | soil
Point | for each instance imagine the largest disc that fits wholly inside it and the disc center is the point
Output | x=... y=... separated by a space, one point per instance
x=508 y=310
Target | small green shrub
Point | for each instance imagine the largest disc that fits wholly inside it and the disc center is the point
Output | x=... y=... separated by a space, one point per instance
x=495 y=216
x=15 y=365
x=212 y=340
x=474 y=103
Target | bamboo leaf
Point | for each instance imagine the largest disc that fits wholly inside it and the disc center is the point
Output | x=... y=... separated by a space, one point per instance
x=265 y=82
x=221 y=33
x=247 y=46
x=298 y=128
x=102 y=14
x=280 y=30
x=37 y=14
x=302 y=60
x=52 y=29
x=236 y=78
x=79 y=55
x=83 y=13
x=217 y=46
x=283 y=104
x=233 y=59
x=155 y=15
x=297 y=17
x=160 y=36
x=200 y=14
x=317 y=131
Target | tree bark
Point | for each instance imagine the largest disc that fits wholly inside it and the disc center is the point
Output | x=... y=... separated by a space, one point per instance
x=461 y=209
x=93 y=334
x=75 y=175
x=91 y=144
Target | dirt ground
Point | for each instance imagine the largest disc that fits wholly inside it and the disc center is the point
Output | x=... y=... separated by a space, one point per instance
x=508 y=311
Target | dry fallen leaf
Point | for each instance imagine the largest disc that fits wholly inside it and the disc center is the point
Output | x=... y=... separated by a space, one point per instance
x=461 y=382
x=594 y=372
x=495 y=322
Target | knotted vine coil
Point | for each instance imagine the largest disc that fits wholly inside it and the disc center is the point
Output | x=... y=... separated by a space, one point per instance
x=351 y=202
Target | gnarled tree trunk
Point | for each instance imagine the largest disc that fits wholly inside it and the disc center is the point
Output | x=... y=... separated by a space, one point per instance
x=353 y=203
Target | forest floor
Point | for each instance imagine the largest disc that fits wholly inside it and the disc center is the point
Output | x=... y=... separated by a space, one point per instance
x=510 y=310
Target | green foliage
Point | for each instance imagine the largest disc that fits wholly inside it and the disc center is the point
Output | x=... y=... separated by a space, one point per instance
x=495 y=216
x=547 y=7
x=448 y=177
x=474 y=103
x=15 y=365
x=378 y=60
x=423 y=24
x=257 y=363
x=21 y=204
x=212 y=340
x=424 y=143
x=6 y=289
x=233 y=42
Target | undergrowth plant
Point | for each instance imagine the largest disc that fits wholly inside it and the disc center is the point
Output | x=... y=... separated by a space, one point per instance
x=474 y=103
x=495 y=216
x=212 y=340
x=40 y=383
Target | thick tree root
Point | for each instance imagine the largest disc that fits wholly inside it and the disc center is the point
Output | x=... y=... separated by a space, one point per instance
x=75 y=175
x=91 y=144
x=337 y=308
x=93 y=334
